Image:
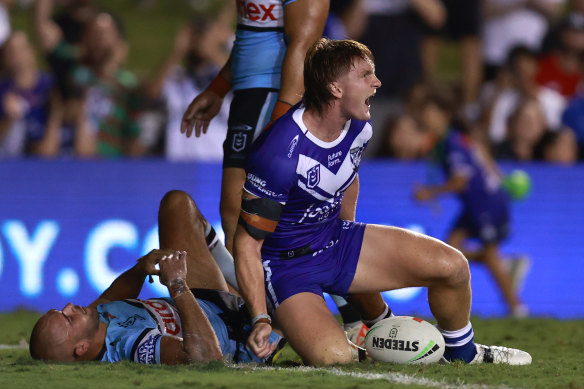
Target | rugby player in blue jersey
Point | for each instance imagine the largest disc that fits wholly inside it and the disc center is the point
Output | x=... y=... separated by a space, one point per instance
x=193 y=326
x=265 y=73
x=296 y=238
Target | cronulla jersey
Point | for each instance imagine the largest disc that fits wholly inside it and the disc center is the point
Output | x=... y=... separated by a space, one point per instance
x=135 y=328
x=308 y=176
x=259 y=48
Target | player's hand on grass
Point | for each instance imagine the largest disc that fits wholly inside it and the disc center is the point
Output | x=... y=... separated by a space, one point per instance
x=173 y=267
x=258 y=340
x=200 y=112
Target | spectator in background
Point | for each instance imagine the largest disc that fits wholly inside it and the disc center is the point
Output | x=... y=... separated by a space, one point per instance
x=522 y=69
x=177 y=85
x=347 y=19
x=394 y=34
x=559 y=69
x=511 y=23
x=558 y=147
x=463 y=25
x=29 y=116
x=401 y=138
x=526 y=127
x=472 y=175
x=98 y=94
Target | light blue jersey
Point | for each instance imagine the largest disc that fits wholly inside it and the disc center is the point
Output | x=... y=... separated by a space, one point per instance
x=259 y=48
x=136 y=327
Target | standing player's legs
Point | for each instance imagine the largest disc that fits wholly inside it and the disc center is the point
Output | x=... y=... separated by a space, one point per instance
x=181 y=226
x=393 y=258
x=249 y=113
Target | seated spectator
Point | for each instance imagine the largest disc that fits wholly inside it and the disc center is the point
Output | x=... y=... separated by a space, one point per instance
x=511 y=23
x=29 y=117
x=401 y=139
x=526 y=127
x=558 y=147
x=560 y=68
x=522 y=68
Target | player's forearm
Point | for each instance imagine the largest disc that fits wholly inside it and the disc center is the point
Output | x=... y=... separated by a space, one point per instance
x=455 y=184
x=128 y=285
x=200 y=343
x=249 y=271
x=304 y=22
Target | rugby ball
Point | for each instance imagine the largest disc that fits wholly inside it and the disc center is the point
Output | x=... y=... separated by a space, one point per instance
x=404 y=339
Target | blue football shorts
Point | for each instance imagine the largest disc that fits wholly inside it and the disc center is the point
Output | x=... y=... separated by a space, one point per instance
x=329 y=270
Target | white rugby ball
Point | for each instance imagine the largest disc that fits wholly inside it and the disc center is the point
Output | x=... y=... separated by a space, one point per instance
x=404 y=339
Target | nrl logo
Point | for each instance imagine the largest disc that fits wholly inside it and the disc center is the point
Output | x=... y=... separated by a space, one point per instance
x=313 y=176
x=356 y=157
x=239 y=142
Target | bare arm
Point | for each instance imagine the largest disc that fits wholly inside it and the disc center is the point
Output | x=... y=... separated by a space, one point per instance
x=304 y=22
x=129 y=284
x=199 y=343
x=349 y=204
x=48 y=32
x=432 y=12
x=455 y=184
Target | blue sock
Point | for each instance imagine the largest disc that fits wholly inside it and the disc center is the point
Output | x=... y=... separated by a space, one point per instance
x=459 y=344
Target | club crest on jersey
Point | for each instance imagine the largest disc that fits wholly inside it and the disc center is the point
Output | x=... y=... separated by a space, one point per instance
x=313 y=176
x=356 y=157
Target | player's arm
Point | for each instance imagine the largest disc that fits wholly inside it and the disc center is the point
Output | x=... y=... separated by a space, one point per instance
x=349 y=204
x=206 y=105
x=48 y=32
x=455 y=184
x=432 y=12
x=129 y=284
x=258 y=219
x=199 y=343
x=304 y=22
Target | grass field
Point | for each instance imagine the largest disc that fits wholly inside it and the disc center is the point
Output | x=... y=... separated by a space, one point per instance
x=556 y=347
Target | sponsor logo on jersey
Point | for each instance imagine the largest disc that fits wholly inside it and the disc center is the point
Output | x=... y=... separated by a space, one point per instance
x=313 y=176
x=256 y=11
x=356 y=157
x=146 y=351
x=395 y=344
x=321 y=213
x=131 y=320
x=334 y=158
x=292 y=146
x=168 y=319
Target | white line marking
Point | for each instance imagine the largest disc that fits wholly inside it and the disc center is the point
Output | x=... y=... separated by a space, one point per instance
x=398 y=378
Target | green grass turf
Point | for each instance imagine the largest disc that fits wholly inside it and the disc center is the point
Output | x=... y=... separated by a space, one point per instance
x=556 y=347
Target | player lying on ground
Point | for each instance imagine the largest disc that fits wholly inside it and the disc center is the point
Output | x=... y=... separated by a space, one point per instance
x=194 y=326
x=292 y=243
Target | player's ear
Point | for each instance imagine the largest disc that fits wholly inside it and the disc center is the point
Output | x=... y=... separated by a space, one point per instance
x=335 y=90
x=81 y=348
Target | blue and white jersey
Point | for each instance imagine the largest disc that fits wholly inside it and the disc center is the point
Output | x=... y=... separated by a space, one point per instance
x=259 y=48
x=458 y=155
x=135 y=328
x=308 y=176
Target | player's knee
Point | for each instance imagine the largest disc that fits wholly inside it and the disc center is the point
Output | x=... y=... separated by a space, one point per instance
x=331 y=355
x=454 y=268
x=176 y=200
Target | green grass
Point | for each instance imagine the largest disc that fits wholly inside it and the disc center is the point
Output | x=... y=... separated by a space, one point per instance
x=556 y=347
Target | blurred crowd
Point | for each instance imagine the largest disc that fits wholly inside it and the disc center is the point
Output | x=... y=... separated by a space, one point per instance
x=519 y=91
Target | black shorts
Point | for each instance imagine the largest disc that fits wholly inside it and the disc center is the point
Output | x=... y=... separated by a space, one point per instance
x=464 y=18
x=249 y=113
